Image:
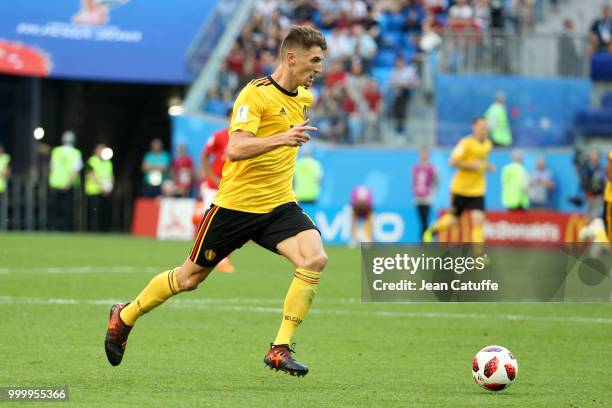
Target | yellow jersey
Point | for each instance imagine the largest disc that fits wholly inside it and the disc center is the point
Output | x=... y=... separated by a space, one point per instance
x=262 y=183
x=608 y=190
x=470 y=183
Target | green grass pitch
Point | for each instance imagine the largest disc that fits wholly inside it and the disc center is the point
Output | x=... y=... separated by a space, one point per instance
x=205 y=348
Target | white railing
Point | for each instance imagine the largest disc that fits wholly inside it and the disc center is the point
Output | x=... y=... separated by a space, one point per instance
x=512 y=53
x=211 y=46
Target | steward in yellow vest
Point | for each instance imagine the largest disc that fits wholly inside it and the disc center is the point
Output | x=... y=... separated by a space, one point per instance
x=5 y=169
x=64 y=176
x=99 y=182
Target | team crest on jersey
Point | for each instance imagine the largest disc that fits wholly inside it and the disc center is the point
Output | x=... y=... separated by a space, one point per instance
x=283 y=112
x=305 y=110
x=209 y=254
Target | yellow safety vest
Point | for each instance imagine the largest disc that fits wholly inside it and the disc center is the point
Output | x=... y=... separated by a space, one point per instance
x=65 y=160
x=5 y=159
x=100 y=178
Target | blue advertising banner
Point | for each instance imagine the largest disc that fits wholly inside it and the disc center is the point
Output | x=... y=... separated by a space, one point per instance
x=118 y=40
x=541 y=110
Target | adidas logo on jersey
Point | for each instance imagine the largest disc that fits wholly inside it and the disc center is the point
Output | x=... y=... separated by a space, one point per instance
x=283 y=111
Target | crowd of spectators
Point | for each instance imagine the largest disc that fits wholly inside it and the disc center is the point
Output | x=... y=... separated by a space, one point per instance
x=375 y=58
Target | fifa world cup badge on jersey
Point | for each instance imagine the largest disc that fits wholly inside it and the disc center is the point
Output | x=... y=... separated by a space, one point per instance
x=242 y=113
x=210 y=254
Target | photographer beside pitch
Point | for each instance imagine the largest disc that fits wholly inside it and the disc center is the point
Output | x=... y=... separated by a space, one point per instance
x=255 y=200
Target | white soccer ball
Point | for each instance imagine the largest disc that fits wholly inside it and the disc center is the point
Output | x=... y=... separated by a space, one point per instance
x=494 y=368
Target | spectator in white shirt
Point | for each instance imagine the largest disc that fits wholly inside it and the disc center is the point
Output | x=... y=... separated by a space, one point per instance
x=338 y=44
x=460 y=14
x=355 y=10
x=541 y=185
x=266 y=8
x=363 y=45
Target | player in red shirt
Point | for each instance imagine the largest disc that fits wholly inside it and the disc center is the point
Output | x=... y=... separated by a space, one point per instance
x=182 y=171
x=213 y=159
x=212 y=162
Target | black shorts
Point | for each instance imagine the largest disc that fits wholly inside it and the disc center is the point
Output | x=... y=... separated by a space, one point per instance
x=607 y=218
x=461 y=203
x=362 y=211
x=223 y=230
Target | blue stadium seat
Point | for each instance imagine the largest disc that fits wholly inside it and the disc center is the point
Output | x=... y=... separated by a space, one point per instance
x=383 y=22
x=408 y=54
x=408 y=50
x=601 y=67
x=316 y=18
x=392 y=39
x=395 y=21
x=385 y=58
x=606 y=100
x=593 y=122
x=382 y=76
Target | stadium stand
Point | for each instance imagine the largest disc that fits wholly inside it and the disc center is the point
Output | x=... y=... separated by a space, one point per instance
x=374 y=33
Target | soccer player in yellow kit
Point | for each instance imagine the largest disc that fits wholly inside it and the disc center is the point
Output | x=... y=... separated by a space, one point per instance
x=468 y=186
x=599 y=230
x=255 y=200
x=607 y=212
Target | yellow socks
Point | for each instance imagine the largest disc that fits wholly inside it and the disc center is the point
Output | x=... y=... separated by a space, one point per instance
x=478 y=239
x=160 y=288
x=298 y=300
x=443 y=222
x=367 y=229
x=478 y=233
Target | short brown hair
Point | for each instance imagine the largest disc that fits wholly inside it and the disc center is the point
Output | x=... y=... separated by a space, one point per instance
x=303 y=37
x=477 y=118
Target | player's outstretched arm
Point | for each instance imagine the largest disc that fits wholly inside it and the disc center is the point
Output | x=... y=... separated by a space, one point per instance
x=457 y=162
x=244 y=145
x=207 y=169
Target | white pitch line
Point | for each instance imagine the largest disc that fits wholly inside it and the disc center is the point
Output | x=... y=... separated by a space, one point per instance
x=60 y=270
x=230 y=305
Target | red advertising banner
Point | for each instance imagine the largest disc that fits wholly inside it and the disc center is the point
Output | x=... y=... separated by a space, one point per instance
x=145 y=217
x=521 y=227
x=163 y=218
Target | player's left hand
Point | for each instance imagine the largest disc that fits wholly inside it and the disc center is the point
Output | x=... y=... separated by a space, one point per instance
x=490 y=167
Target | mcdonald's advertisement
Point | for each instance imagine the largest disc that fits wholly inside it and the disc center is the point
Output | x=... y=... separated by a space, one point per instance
x=522 y=227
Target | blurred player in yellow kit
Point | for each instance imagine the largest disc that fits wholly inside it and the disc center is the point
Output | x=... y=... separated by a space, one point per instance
x=600 y=229
x=468 y=186
x=607 y=213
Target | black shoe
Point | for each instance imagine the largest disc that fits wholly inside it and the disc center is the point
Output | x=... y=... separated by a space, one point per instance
x=280 y=358
x=116 y=335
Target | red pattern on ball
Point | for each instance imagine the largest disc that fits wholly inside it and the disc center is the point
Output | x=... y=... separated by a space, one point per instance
x=494 y=387
x=491 y=367
x=510 y=371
